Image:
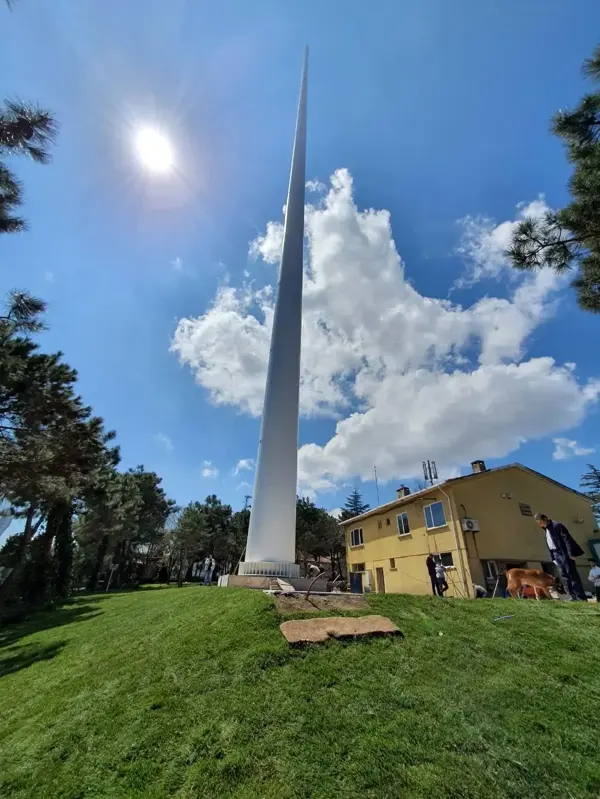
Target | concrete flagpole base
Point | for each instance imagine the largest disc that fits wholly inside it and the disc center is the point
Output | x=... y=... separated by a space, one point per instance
x=261 y=568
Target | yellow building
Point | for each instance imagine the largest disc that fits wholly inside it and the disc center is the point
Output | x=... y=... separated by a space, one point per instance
x=479 y=524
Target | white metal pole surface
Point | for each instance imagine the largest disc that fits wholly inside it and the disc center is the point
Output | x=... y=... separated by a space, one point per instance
x=271 y=547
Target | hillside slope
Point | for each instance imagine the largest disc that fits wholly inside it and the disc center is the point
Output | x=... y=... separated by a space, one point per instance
x=193 y=693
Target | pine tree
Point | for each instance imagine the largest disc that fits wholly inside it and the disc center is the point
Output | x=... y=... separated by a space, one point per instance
x=308 y=537
x=318 y=534
x=153 y=510
x=190 y=538
x=24 y=130
x=122 y=516
x=570 y=238
x=354 y=506
x=590 y=483
x=240 y=524
x=51 y=447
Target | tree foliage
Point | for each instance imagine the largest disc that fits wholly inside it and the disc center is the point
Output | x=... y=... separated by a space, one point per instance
x=189 y=538
x=570 y=238
x=590 y=483
x=24 y=130
x=318 y=535
x=208 y=528
x=354 y=506
x=50 y=443
x=123 y=518
x=51 y=446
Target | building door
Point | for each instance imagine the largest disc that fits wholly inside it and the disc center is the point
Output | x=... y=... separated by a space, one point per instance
x=356 y=586
x=491 y=574
x=380 y=580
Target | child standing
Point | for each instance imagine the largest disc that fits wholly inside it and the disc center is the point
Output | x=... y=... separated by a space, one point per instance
x=594 y=578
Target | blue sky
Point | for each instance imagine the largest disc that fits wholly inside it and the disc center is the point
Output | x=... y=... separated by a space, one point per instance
x=438 y=111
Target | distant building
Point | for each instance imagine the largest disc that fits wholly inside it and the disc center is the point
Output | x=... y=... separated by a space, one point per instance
x=480 y=524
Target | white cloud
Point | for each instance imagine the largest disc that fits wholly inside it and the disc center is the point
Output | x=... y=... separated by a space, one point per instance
x=164 y=441
x=406 y=376
x=177 y=264
x=245 y=464
x=566 y=448
x=484 y=242
x=228 y=345
x=335 y=513
x=315 y=186
x=208 y=470
x=454 y=417
x=268 y=247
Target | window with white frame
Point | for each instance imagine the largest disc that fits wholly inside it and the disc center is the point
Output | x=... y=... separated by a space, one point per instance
x=402 y=522
x=434 y=515
x=356 y=537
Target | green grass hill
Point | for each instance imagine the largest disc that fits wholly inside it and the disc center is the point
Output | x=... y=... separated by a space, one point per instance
x=193 y=693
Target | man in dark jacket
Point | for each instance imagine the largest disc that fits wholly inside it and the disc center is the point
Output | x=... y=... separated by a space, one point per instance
x=430 y=562
x=563 y=550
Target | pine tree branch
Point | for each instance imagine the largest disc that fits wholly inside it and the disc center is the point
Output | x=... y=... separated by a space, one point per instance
x=591 y=66
x=26 y=129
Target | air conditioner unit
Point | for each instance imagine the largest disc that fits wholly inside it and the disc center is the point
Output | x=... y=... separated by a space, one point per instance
x=470 y=525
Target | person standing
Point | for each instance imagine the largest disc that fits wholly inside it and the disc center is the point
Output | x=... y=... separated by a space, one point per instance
x=440 y=574
x=594 y=578
x=563 y=550
x=209 y=565
x=430 y=563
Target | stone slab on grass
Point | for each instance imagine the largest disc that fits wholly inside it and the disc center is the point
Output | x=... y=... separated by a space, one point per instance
x=314 y=631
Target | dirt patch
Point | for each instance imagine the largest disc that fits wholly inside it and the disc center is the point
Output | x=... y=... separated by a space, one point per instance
x=309 y=631
x=336 y=602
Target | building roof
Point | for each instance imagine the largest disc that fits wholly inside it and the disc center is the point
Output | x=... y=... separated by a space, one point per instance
x=450 y=482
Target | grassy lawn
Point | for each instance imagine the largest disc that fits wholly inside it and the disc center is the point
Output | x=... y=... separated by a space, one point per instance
x=193 y=693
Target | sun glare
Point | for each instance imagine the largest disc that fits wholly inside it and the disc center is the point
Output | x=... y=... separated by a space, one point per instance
x=154 y=150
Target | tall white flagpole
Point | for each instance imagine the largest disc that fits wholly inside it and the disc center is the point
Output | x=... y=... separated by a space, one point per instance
x=271 y=547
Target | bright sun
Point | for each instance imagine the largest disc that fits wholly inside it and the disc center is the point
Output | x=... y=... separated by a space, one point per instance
x=154 y=150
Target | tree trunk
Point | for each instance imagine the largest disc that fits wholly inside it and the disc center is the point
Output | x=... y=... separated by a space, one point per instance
x=100 y=555
x=121 y=562
x=53 y=520
x=64 y=552
x=28 y=533
x=180 y=571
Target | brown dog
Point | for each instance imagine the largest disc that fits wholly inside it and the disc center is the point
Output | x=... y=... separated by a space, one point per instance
x=536 y=578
